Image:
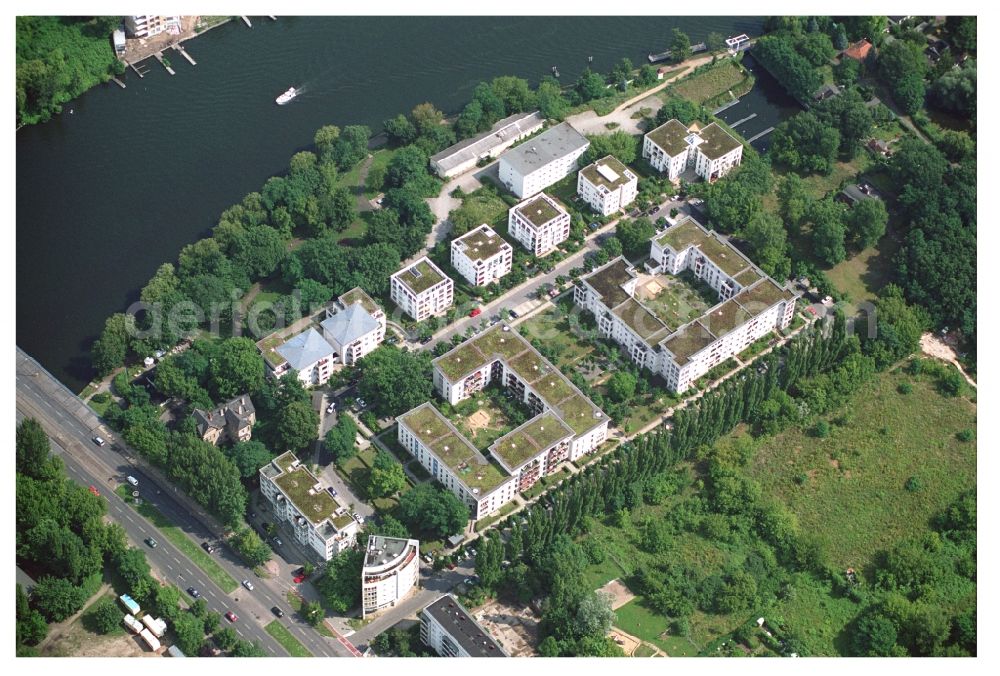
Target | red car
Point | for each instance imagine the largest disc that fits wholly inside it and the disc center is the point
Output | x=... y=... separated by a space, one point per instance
x=811 y=310
x=298 y=579
x=95 y=491
x=452 y=566
x=476 y=312
x=231 y=616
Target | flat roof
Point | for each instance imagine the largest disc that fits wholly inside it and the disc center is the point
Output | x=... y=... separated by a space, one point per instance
x=620 y=176
x=640 y=319
x=607 y=281
x=438 y=434
x=463 y=629
x=358 y=295
x=671 y=137
x=689 y=232
x=717 y=142
x=762 y=296
x=540 y=209
x=687 y=342
x=725 y=317
x=471 y=149
x=552 y=144
x=420 y=276
x=533 y=437
x=481 y=243
x=382 y=549
x=297 y=484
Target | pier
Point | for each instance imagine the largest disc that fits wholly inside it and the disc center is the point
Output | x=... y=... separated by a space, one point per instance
x=763 y=133
x=247 y=22
x=159 y=57
x=137 y=71
x=185 y=54
x=272 y=18
x=745 y=119
x=118 y=82
x=663 y=56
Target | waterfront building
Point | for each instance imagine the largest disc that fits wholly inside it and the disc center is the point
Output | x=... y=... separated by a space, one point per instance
x=481 y=256
x=307 y=354
x=540 y=162
x=232 y=421
x=390 y=571
x=354 y=326
x=607 y=185
x=540 y=224
x=147 y=26
x=447 y=628
x=421 y=290
x=298 y=498
x=640 y=311
x=674 y=148
x=465 y=155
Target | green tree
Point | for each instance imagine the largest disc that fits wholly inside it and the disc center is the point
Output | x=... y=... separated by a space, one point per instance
x=248 y=649
x=238 y=369
x=594 y=616
x=828 y=231
x=962 y=30
x=621 y=386
x=408 y=163
x=902 y=65
x=590 y=86
x=680 y=46
x=426 y=118
x=297 y=426
x=312 y=612
x=866 y=222
x=400 y=130
x=551 y=102
x=393 y=381
x=340 y=584
x=434 y=512
x=769 y=241
x=678 y=108
x=325 y=139
x=622 y=145
x=340 y=439
x=816 y=47
x=806 y=143
x=351 y=146
x=955 y=91
x=190 y=632
x=32 y=448
x=249 y=457
x=57 y=598
x=31 y=626
x=731 y=203
x=111 y=348
x=226 y=638
x=646 y=77
x=387 y=476
x=250 y=546
x=105 y=616
x=634 y=234
x=777 y=53
x=715 y=42
x=875 y=636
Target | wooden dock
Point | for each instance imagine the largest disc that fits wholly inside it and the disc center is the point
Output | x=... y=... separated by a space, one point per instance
x=739 y=122
x=272 y=18
x=118 y=82
x=159 y=57
x=247 y=22
x=663 y=56
x=185 y=54
x=136 y=69
x=763 y=133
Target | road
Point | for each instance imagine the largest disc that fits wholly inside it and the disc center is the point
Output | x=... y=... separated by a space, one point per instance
x=71 y=425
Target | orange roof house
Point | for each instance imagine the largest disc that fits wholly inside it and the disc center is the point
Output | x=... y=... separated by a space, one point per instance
x=859 y=51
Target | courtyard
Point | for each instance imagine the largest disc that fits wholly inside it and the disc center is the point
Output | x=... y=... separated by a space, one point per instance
x=487 y=416
x=675 y=300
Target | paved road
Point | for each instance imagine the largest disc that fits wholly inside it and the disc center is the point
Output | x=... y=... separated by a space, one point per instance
x=71 y=425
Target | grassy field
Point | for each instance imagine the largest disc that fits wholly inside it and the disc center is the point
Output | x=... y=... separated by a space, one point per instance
x=183 y=543
x=636 y=619
x=712 y=82
x=552 y=327
x=280 y=633
x=853 y=499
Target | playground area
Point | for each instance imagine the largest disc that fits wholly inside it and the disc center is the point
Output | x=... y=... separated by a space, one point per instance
x=674 y=300
x=515 y=628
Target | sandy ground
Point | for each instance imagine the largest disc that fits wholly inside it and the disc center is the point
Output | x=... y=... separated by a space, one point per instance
x=479 y=420
x=626 y=642
x=933 y=346
x=619 y=593
x=515 y=628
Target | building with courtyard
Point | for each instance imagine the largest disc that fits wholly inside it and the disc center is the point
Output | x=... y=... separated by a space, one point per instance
x=547 y=158
x=674 y=148
x=354 y=326
x=391 y=569
x=481 y=256
x=421 y=290
x=232 y=421
x=298 y=498
x=540 y=224
x=465 y=155
x=607 y=185
x=698 y=302
x=447 y=628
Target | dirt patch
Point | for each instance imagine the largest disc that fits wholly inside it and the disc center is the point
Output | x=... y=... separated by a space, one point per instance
x=933 y=346
x=626 y=642
x=619 y=593
x=479 y=420
x=834 y=463
x=515 y=628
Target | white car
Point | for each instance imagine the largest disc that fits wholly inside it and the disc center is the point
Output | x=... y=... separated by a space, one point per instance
x=248 y=584
x=361 y=402
x=99 y=441
x=332 y=407
x=132 y=480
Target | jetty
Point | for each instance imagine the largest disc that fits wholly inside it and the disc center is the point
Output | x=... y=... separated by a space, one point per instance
x=739 y=122
x=159 y=57
x=118 y=82
x=663 y=56
x=138 y=72
x=272 y=18
x=763 y=133
x=185 y=54
x=247 y=22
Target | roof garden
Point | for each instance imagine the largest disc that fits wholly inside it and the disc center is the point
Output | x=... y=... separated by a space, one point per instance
x=315 y=505
x=579 y=413
x=553 y=388
x=725 y=317
x=530 y=366
x=717 y=142
x=460 y=361
x=268 y=347
x=762 y=296
x=540 y=210
x=748 y=277
x=682 y=235
x=533 y=437
x=639 y=318
x=506 y=343
x=608 y=281
x=342 y=521
x=285 y=461
x=670 y=136
x=724 y=255
x=481 y=243
x=593 y=173
x=420 y=276
x=357 y=295
x=689 y=341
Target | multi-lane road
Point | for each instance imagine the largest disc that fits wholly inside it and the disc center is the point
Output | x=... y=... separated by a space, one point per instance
x=71 y=426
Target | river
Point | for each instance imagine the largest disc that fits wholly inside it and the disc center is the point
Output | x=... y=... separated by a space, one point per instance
x=108 y=193
x=763 y=108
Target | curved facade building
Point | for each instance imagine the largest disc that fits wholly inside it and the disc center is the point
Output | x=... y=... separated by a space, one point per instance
x=391 y=570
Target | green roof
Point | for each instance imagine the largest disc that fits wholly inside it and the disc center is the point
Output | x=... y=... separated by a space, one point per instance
x=724 y=255
x=504 y=343
x=591 y=173
x=722 y=319
x=285 y=460
x=689 y=341
x=357 y=295
x=297 y=485
x=480 y=243
x=670 y=136
x=682 y=235
x=268 y=348
x=748 y=277
x=607 y=281
x=762 y=296
x=579 y=413
x=639 y=318
x=717 y=142
x=533 y=437
x=540 y=209
x=688 y=233
x=420 y=276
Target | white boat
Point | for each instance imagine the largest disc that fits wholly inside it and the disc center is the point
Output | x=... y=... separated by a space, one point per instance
x=287 y=96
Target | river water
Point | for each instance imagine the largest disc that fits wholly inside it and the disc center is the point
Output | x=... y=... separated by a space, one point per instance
x=763 y=108
x=108 y=193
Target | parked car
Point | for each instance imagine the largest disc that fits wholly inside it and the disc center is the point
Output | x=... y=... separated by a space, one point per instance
x=207 y=547
x=151 y=542
x=277 y=541
x=469 y=582
x=476 y=312
x=231 y=616
x=132 y=480
x=332 y=407
x=594 y=226
x=193 y=592
x=99 y=441
x=298 y=579
x=514 y=315
x=472 y=552
x=361 y=402
x=428 y=558
x=248 y=584
x=94 y=491
x=333 y=493
x=278 y=612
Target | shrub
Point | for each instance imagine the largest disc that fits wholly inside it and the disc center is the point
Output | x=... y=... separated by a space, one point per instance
x=964 y=435
x=821 y=429
x=905 y=388
x=913 y=484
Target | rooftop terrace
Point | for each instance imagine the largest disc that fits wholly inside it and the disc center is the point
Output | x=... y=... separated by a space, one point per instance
x=420 y=276
x=540 y=209
x=357 y=295
x=298 y=486
x=670 y=136
x=481 y=243
x=596 y=177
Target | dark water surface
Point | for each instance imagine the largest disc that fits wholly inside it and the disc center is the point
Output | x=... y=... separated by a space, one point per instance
x=107 y=194
x=767 y=102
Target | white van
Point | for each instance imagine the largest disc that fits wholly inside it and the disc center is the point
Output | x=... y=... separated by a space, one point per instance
x=132 y=480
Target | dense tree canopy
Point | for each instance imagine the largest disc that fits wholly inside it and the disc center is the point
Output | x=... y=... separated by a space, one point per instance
x=433 y=512
x=393 y=381
x=806 y=143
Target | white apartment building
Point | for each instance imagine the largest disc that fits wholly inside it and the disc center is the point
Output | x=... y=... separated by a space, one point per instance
x=674 y=148
x=640 y=313
x=447 y=628
x=147 y=26
x=607 y=185
x=390 y=571
x=465 y=155
x=421 y=290
x=307 y=354
x=354 y=326
x=540 y=224
x=542 y=160
x=481 y=256
x=299 y=499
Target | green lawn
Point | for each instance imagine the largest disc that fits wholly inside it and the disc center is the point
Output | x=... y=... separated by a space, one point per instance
x=280 y=633
x=636 y=619
x=644 y=651
x=183 y=543
x=712 y=82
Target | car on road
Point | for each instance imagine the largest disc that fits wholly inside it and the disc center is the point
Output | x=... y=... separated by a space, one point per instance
x=231 y=616
x=132 y=480
x=248 y=584
x=207 y=547
x=277 y=541
x=99 y=441
x=513 y=315
x=278 y=612
x=332 y=407
x=299 y=579
x=194 y=592
x=476 y=311
x=93 y=490
x=651 y=211
x=152 y=543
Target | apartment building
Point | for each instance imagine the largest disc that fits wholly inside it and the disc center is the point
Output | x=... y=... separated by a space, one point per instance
x=607 y=185
x=421 y=290
x=465 y=155
x=674 y=148
x=481 y=256
x=307 y=354
x=640 y=310
x=390 y=571
x=147 y=26
x=542 y=160
x=232 y=421
x=354 y=326
x=540 y=224
x=298 y=498
x=447 y=628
